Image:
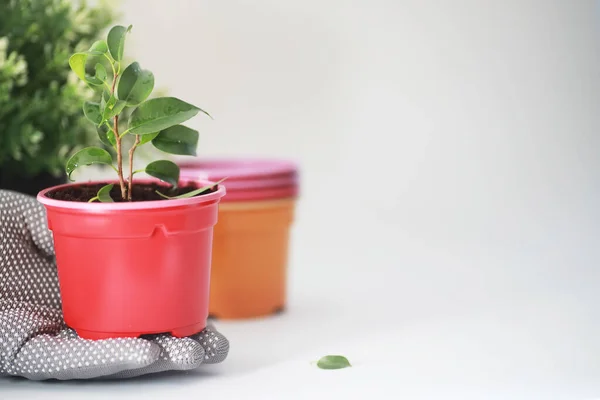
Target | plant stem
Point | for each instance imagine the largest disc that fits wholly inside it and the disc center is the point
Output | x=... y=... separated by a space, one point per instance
x=120 y=161
x=131 y=151
x=111 y=63
x=119 y=151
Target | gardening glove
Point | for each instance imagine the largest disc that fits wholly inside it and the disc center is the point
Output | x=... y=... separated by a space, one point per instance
x=36 y=344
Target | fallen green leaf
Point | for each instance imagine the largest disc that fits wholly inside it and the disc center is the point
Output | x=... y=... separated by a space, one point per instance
x=333 y=362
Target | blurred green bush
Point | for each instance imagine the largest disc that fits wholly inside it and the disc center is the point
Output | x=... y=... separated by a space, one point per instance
x=41 y=118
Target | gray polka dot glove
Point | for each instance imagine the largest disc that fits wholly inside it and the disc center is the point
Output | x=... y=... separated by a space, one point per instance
x=35 y=343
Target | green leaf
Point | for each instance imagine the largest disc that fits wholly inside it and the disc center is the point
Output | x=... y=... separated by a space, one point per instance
x=102 y=104
x=99 y=46
x=116 y=41
x=104 y=194
x=113 y=107
x=135 y=84
x=161 y=113
x=92 y=112
x=147 y=137
x=101 y=72
x=88 y=156
x=92 y=80
x=105 y=98
x=107 y=136
x=109 y=103
x=333 y=362
x=177 y=139
x=77 y=63
x=119 y=106
x=192 y=193
x=164 y=170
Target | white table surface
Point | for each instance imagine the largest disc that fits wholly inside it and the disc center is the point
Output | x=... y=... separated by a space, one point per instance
x=415 y=323
x=492 y=353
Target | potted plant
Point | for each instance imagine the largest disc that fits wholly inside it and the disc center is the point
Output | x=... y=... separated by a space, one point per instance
x=40 y=104
x=133 y=256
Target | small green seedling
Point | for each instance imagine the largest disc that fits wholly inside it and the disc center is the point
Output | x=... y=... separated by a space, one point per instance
x=104 y=194
x=157 y=121
x=333 y=362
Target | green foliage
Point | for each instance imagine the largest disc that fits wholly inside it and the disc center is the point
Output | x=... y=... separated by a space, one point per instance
x=92 y=112
x=177 y=139
x=135 y=85
x=88 y=156
x=164 y=170
x=125 y=92
x=41 y=119
x=158 y=114
x=106 y=135
x=104 y=194
x=116 y=41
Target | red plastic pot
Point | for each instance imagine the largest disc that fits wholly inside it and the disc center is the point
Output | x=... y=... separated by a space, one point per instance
x=136 y=268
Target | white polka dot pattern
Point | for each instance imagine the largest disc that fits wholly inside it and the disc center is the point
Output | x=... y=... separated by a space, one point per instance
x=34 y=341
x=216 y=347
x=26 y=257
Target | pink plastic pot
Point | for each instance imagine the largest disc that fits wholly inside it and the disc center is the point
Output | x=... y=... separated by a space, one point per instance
x=248 y=179
x=129 y=269
x=250 y=252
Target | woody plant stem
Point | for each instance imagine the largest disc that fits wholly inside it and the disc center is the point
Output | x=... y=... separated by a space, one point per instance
x=119 y=150
x=131 y=151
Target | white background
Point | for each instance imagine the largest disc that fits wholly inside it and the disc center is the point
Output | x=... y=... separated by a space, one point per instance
x=447 y=238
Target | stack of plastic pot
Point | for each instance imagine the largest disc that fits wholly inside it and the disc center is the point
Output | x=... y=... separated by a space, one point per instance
x=252 y=237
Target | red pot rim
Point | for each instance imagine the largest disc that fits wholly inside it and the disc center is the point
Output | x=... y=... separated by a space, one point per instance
x=136 y=205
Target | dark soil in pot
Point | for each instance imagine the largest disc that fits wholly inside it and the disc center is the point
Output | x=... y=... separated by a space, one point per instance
x=141 y=192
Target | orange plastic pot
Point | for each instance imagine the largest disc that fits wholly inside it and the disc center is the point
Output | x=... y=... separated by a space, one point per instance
x=252 y=239
x=134 y=268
